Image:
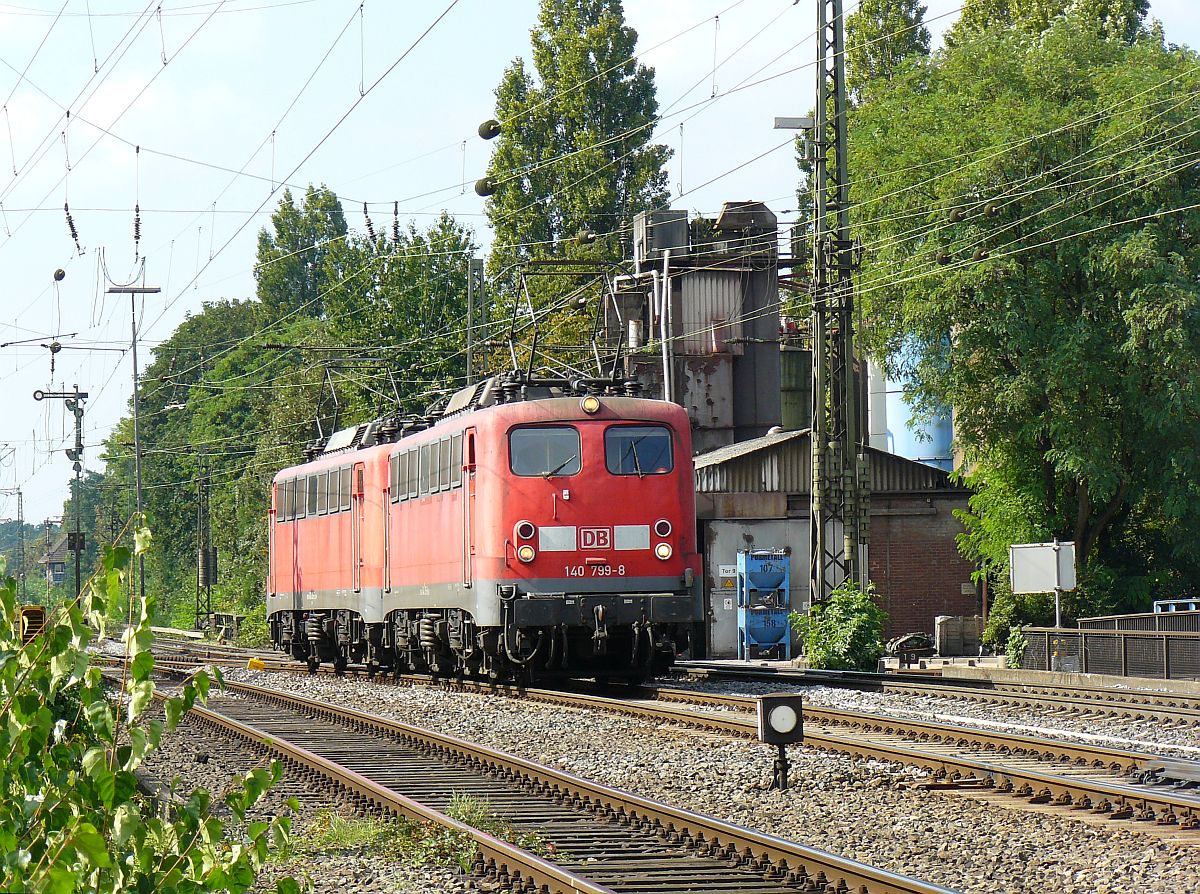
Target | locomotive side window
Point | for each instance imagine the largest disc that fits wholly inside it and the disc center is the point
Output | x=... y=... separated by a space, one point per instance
x=456 y=462
x=312 y=495
x=345 y=473
x=322 y=493
x=335 y=490
x=638 y=450
x=444 y=479
x=394 y=476
x=411 y=475
x=289 y=499
x=424 y=485
x=544 y=450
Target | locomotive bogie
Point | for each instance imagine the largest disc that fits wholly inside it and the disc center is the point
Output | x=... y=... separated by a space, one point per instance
x=522 y=540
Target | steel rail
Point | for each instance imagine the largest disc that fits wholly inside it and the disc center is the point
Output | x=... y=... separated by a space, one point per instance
x=1163 y=804
x=1136 y=704
x=774 y=857
x=499 y=858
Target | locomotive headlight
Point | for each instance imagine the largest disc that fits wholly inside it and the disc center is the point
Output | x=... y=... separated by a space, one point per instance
x=590 y=404
x=525 y=552
x=525 y=530
x=662 y=528
x=663 y=551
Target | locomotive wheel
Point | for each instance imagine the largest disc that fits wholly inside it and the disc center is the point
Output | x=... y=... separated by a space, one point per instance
x=314 y=663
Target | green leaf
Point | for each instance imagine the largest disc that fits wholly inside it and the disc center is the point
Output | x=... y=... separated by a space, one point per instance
x=91 y=844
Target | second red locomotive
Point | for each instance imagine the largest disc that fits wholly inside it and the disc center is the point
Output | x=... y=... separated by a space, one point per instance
x=527 y=532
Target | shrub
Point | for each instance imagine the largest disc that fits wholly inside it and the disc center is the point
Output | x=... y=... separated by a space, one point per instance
x=844 y=633
x=72 y=818
x=1014 y=647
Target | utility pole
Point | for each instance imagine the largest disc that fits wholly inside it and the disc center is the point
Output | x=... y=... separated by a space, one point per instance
x=74 y=402
x=20 y=557
x=841 y=477
x=206 y=564
x=474 y=281
x=133 y=292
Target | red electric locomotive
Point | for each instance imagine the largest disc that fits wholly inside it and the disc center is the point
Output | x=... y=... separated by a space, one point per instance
x=527 y=532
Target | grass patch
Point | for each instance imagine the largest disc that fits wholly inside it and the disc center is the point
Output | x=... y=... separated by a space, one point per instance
x=405 y=840
x=478 y=814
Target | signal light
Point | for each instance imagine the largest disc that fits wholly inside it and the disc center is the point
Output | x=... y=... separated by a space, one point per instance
x=525 y=530
x=590 y=404
x=662 y=528
x=663 y=551
x=525 y=552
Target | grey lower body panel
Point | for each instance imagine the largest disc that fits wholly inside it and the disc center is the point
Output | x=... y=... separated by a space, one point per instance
x=581 y=611
x=538 y=603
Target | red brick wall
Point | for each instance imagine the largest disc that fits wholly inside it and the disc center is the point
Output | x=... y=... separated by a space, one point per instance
x=914 y=561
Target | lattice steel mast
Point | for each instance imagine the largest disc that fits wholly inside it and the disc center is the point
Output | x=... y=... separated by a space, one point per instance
x=840 y=507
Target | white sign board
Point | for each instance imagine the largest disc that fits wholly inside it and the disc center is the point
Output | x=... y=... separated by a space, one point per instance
x=1041 y=567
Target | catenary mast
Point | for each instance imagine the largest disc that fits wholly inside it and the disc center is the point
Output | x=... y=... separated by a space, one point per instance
x=840 y=506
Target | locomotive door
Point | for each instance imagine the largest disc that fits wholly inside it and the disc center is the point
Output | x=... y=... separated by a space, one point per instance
x=468 y=507
x=357 y=516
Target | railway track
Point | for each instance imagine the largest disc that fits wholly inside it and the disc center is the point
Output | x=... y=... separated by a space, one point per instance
x=604 y=839
x=1085 y=701
x=1121 y=784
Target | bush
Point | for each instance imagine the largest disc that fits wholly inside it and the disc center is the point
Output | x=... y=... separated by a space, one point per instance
x=1014 y=647
x=72 y=818
x=844 y=633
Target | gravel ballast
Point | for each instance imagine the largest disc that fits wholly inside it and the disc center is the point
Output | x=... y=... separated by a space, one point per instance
x=202 y=758
x=860 y=809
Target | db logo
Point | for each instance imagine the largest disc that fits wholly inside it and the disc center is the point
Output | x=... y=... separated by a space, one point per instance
x=595 y=538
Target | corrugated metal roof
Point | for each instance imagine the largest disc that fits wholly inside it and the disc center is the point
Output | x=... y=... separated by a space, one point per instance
x=782 y=463
x=742 y=448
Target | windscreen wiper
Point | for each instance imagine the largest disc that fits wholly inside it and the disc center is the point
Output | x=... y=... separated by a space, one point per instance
x=562 y=465
x=637 y=465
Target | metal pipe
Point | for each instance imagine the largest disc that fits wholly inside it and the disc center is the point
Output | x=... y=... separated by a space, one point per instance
x=669 y=316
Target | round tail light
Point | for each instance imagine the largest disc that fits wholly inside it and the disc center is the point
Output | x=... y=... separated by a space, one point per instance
x=662 y=528
x=525 y=530
x=663 y=551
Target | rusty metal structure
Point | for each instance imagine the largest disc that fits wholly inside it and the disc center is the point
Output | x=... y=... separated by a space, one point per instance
x=840 y=506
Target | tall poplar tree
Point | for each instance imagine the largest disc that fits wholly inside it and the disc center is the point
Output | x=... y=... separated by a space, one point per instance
x=880 y=36
x=1114 y=18
x=575 y=153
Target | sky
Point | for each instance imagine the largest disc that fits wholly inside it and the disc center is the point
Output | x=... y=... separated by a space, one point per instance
x=200 y=112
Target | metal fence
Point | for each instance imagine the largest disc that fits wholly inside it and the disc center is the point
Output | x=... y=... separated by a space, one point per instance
x=1174 y=620
x=1173 y=655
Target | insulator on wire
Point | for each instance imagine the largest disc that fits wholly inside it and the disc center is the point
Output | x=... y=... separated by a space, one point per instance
x=71 y=227
x=396 y=222
x=137 y=229
x=370 y=226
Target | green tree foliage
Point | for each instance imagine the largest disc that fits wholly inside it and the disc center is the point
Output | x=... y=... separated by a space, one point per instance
x=880 y=36
x=71 y=818
x=845 y=632
x=1031 y=262
x=293 y=270
x=575 y=153
x=405 y=303
x=1112 y=18
x=238 y=389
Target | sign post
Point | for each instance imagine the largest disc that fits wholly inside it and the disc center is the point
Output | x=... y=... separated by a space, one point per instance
x=1043 y=568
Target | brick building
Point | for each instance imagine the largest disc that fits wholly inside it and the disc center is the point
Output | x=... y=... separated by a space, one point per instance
x=756 y=494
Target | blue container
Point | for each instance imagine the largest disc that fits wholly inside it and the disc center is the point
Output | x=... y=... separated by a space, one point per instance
x=764 y=600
